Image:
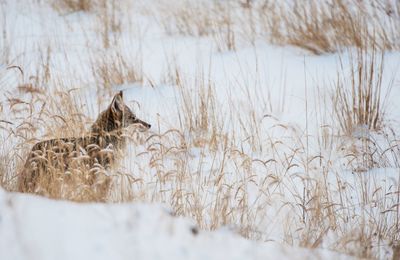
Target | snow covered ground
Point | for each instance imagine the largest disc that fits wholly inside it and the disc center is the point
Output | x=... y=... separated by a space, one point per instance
x=37 y=228
x=245 y=144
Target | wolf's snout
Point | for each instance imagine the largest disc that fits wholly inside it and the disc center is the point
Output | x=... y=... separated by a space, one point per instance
x=148 y=126
x=144 y=124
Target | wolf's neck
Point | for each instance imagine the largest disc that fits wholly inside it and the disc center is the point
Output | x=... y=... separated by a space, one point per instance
x=106 y=138
x=105 y=132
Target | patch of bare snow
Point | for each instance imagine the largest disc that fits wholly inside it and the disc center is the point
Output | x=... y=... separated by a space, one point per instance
x=37 y=228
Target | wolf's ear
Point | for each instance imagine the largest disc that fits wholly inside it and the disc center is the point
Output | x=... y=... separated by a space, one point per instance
x=117 y=104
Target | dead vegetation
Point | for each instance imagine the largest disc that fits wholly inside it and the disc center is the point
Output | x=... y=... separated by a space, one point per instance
x=316 y=26
x=74 y=5
x=212 y=19
x=328 y=26
x=360 y=99
x=111 y=67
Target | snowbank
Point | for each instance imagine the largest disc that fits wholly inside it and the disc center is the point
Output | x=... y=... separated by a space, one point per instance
x=37 y=228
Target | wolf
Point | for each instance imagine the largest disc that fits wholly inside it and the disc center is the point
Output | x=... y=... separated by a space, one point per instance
x=96 y=149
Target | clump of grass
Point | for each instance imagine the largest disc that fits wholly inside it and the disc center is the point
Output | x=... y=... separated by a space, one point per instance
x=198 y=115
x=181 y=19
x=75 y=5
x=109 y=21
x=215 y=20
x=328 y=26
x=113 y=68
x=360 y=100
x=302 y=25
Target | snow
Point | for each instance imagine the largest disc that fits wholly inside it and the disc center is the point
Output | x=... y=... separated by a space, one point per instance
x=37 y=228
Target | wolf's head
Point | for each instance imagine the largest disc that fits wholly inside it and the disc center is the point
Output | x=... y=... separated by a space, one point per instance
x=117 y=116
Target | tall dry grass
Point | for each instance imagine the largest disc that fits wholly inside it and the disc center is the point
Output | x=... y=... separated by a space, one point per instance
x=329 y=26
x=5 y=44
x=213 y=19
x=111 y=67
x=316 y=26
x=361 y=98
x=74 y=5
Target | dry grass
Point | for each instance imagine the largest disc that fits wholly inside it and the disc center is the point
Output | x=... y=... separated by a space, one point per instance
x=360 y=100
x=111 y=68
x=107 y=14
x=74 y=5
x=109 y=20
x=5 y=44
x=328 y=26
x=200 y=19
x=317 y=26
